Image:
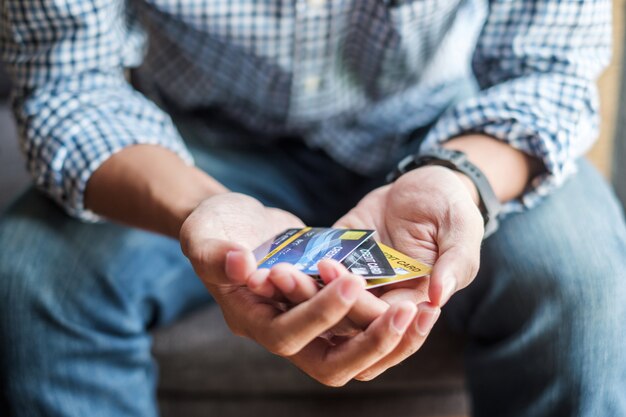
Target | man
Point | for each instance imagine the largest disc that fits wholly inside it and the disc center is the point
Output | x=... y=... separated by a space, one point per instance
x=294 y=113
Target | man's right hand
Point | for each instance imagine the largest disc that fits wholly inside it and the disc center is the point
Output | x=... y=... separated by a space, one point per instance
x=218 y=238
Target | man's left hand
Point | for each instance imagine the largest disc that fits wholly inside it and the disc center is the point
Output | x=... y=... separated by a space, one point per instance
x=428 y=214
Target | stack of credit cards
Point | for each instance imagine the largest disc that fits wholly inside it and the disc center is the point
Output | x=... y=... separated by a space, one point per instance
x=356 y=249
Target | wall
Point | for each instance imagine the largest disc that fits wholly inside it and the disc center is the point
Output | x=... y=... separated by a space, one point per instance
x=618 y=153
x=609 y=85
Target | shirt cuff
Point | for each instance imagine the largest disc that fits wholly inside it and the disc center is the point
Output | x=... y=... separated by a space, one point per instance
x=558 y=162
x=75 y=206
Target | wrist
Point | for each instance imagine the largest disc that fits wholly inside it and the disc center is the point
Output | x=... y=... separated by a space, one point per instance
x=473 y=181
x=508 y=170
x=148 y=187
x=175 y=206
x=437 y=180
x=469 y=185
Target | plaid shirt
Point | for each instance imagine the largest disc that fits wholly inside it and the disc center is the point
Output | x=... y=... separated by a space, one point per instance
x=353 y=77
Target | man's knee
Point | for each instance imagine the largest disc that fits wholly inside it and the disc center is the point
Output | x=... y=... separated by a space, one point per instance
x=559 y=269
x=51 y=266
x=60 y=268
x=553 y=321
x=580 y=293
x=35 y=271
x=65 y=319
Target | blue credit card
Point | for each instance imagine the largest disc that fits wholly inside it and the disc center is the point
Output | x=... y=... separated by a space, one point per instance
x=306 y=247
x=273 y=243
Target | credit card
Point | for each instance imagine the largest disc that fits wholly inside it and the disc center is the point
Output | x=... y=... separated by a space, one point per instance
x=369 y=261
x=306 y=247
x=405 y=268
x=271 y=244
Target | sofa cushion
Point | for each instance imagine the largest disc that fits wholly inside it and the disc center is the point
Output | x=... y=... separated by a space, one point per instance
x=199 y=356
x=5 y=87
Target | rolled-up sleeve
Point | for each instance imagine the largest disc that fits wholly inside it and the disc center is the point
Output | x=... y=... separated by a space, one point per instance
x=536 y=63
x=73 y=106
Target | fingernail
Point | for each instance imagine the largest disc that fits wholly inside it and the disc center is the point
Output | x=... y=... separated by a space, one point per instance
x=449 y=287
x=258 y=277
x=231 y=254
x=426 y=320
x=349 y=290
x=229 y=259
x=287 y=283
x=329 y=270
x=333 y=272
x=401 y=319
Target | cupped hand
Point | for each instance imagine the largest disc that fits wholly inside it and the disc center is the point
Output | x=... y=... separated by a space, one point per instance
x=428 y=214
x=286 y=282
x=218 y=238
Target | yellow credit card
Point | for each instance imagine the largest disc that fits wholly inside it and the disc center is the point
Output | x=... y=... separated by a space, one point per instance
x=406 y=268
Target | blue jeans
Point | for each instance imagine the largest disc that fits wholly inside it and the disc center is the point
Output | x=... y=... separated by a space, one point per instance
x=544 y=318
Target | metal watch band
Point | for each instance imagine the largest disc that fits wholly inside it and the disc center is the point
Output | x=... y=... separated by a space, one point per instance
x=456 y=160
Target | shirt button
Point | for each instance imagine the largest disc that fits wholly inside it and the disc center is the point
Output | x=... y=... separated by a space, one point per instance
x=316 y=3
x=312 y=84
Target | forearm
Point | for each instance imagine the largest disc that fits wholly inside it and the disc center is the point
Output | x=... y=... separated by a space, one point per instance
x=508 y=170
x=148 y=187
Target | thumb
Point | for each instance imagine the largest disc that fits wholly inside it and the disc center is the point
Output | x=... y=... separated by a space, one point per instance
x=221 y=262
x=455 y=268
x=351 y=220
x=343 y=223
x=239 y=264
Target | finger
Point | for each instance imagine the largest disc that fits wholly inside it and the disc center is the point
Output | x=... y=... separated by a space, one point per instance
x=239 y=265
x=288 y=333
x=295 y=285
x=290 y=284
x=370 y=306
x=367 y=308
x=259 y=284
x=412 y=341
x=330 y=270
x=345 y=328
x=459 y=256
x=454 y=270
x=417 y=293
x=336 y=365
x=209 y=260
x=349 y=221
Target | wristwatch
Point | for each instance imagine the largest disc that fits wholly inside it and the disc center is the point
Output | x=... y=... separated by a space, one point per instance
x=489 y=204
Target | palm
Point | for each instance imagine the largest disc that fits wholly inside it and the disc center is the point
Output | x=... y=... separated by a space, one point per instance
x=224 y=223
x=410 y=230
x=424 y=214
x=234 y=218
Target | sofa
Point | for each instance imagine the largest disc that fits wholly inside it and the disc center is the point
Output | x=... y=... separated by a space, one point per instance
x=206 y=371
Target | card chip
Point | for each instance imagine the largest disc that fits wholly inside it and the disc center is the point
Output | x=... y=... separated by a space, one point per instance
x=352 y=235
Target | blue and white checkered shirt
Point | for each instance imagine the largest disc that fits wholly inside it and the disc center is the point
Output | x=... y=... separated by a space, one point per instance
x=353 y=77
